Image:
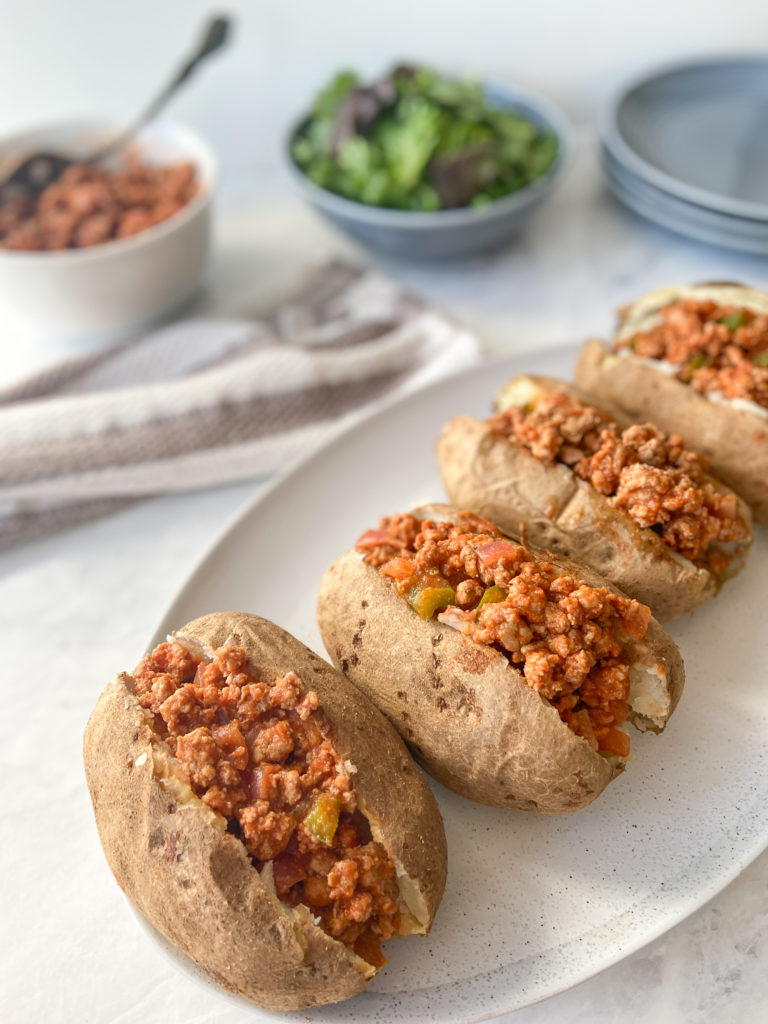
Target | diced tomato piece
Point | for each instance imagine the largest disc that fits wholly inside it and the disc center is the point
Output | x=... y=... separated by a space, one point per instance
x=398 y=568
x=491 y=554
x=368 y=946
x=613 y=741
x=289 y=868
x=581 y=724
x=619 y=709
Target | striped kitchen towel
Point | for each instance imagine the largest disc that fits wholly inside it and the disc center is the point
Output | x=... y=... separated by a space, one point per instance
x=212 y=401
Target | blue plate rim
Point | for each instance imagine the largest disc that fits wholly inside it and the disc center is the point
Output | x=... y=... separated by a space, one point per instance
x=739 y=227
x=695 y=232
x=612 y=138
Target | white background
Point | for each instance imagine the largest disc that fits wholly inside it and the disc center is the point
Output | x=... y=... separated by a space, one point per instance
x=81 y=57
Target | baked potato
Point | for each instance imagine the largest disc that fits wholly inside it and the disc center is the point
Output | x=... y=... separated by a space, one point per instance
x=694 y=361
x=509 y=674
x=633 y=504
x=261 y=813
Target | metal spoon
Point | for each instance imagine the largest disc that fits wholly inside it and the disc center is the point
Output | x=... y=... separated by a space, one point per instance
x=36 y=172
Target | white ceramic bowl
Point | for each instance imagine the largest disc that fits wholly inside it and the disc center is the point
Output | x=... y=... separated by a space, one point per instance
x=117 y=289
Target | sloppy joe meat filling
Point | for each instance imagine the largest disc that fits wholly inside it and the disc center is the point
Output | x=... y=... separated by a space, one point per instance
x=718 y=348
x=649 y=474
x=88 y=205
x=261 y=754
x=568 y=639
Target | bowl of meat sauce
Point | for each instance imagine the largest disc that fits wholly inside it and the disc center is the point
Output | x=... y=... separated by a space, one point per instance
x=108 y=248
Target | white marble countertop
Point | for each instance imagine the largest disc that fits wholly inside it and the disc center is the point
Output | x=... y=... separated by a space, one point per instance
x=79 y=606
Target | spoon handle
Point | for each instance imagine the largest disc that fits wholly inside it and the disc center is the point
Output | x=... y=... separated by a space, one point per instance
x=216 y=34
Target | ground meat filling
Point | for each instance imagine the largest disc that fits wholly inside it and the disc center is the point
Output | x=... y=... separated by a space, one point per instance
x=261 y=754
x=720 y=349
x=568 y=639
x=87 y=205
x=650 y=475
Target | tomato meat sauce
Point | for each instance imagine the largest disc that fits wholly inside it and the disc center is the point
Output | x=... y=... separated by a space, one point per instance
x=260 y=753
x=717 y=348
x=88 y=205
x=568 y=640
x=650 y=475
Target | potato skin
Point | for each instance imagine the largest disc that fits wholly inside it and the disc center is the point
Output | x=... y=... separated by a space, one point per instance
x=466 y=713
x=484 y=472
x=196 y=883
x=735 y=441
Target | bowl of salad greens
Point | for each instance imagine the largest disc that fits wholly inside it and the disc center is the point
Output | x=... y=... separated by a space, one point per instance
x=425 y=166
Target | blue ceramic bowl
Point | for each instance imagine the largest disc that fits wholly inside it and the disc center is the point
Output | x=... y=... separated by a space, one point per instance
x=445 y=234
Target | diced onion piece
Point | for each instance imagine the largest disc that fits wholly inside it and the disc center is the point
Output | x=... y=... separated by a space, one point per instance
x=456 y=619
x=378 y=538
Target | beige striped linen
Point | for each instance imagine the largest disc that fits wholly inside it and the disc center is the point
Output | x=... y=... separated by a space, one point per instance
x=214 y=401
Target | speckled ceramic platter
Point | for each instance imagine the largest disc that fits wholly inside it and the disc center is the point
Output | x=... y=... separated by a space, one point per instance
x=533 y=905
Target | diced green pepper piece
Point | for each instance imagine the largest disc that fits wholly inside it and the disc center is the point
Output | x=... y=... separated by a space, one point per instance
x=426 y=598
x=736 y=319
x=761 y=359
x=492 y=595
x=700 y=359
x=323 y=817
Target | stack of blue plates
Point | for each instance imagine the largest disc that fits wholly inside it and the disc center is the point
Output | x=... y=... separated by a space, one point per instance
x=687 y=148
